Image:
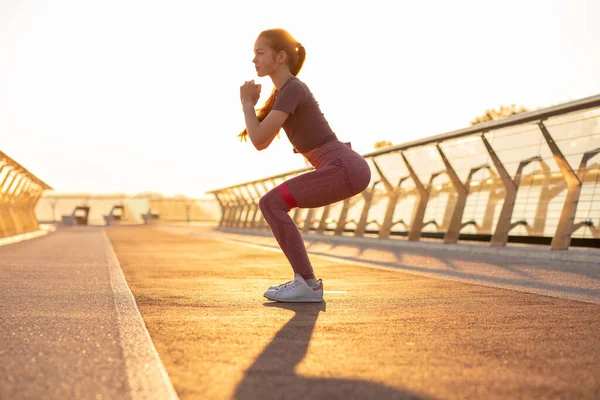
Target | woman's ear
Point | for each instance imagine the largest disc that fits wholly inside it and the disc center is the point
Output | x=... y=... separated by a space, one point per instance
x=281 y=57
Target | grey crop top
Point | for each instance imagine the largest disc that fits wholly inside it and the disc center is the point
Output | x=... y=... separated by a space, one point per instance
x=306 y=126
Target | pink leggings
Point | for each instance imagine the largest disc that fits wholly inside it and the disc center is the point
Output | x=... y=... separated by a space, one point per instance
x=339 y=173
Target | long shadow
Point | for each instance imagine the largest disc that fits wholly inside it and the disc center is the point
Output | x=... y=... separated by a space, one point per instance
x=445 y=258
x=273 y=373
x=494 y=260
x=592 y=292
x=452 y=260
x=362 y=247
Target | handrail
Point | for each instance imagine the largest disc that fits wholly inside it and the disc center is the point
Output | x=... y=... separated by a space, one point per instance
x=281 y=175
x=8 y=160
x=519 y=119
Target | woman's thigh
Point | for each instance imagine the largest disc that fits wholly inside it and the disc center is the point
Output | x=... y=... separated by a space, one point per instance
x=324 y=186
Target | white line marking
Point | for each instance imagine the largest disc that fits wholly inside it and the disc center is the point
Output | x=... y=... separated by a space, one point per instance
x=146 y=374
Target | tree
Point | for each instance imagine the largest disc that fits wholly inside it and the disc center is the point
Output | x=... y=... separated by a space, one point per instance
x=382 y=143
x=501 y=112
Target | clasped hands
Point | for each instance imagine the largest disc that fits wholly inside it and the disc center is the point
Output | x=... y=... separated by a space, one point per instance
x=250 y=92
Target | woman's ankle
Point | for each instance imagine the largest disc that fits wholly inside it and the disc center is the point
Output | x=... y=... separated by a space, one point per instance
x=312 y=281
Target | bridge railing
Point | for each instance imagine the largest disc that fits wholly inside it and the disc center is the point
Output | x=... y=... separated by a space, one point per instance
x=20 y=191
x=533 y=177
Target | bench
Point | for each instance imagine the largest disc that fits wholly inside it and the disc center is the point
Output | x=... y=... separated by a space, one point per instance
x=79 y=216
x=150 y=217
x=115 y=215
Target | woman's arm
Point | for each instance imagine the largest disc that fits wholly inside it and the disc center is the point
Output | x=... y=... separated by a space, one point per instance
x=262 y=133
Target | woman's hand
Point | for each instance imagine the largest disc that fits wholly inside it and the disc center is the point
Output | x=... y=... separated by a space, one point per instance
x=250 y=92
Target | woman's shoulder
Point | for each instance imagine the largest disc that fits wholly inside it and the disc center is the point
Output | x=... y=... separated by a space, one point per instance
x=295 y=85
x=294 y=81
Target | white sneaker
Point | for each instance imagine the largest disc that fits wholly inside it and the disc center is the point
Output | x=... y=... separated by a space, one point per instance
x=297 y=291
x=280 y=285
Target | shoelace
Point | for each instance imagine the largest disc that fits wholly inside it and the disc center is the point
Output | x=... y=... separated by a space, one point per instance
x=289 y=285
x=281 y=285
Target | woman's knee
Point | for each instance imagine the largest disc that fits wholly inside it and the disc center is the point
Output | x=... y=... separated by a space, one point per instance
x=270 y=201
x=262 y=203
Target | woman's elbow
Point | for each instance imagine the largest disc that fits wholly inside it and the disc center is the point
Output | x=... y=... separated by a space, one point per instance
x=262 y=141
x=260 y=146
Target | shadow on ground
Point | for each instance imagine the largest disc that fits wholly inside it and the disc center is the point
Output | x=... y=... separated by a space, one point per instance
x=273 y=373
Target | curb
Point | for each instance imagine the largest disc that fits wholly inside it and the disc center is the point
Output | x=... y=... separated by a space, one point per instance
x=146 y=374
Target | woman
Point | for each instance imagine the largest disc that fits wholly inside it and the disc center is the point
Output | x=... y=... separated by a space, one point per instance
x=339 y=173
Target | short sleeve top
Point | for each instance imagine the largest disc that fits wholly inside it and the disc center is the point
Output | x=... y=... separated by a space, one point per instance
x=306 y=126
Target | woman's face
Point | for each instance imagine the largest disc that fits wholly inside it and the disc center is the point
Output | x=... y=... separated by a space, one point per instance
x=265 y=60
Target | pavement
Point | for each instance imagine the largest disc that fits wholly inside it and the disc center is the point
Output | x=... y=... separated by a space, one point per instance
x=69 y=326
x=382 y=333
x=395 y=323
x=528 y=269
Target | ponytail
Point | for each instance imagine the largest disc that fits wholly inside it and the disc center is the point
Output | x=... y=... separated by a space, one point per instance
x=300 y=55
x=296 y=53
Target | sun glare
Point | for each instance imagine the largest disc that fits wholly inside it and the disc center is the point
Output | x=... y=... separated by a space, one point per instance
x=141 y=96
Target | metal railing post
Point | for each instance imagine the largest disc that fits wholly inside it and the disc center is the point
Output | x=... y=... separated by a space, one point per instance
x=368 y=195
x=393 y=194
x=454 y=226
x=562 y=237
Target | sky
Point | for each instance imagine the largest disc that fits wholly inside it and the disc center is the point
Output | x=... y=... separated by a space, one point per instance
x=135 y=96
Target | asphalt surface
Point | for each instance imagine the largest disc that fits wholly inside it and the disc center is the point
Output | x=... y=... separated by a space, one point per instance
x=381 y=333
x=66 y=326
x=394 y=324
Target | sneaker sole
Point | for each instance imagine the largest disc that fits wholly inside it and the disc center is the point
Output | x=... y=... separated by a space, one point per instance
x=300 y=300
